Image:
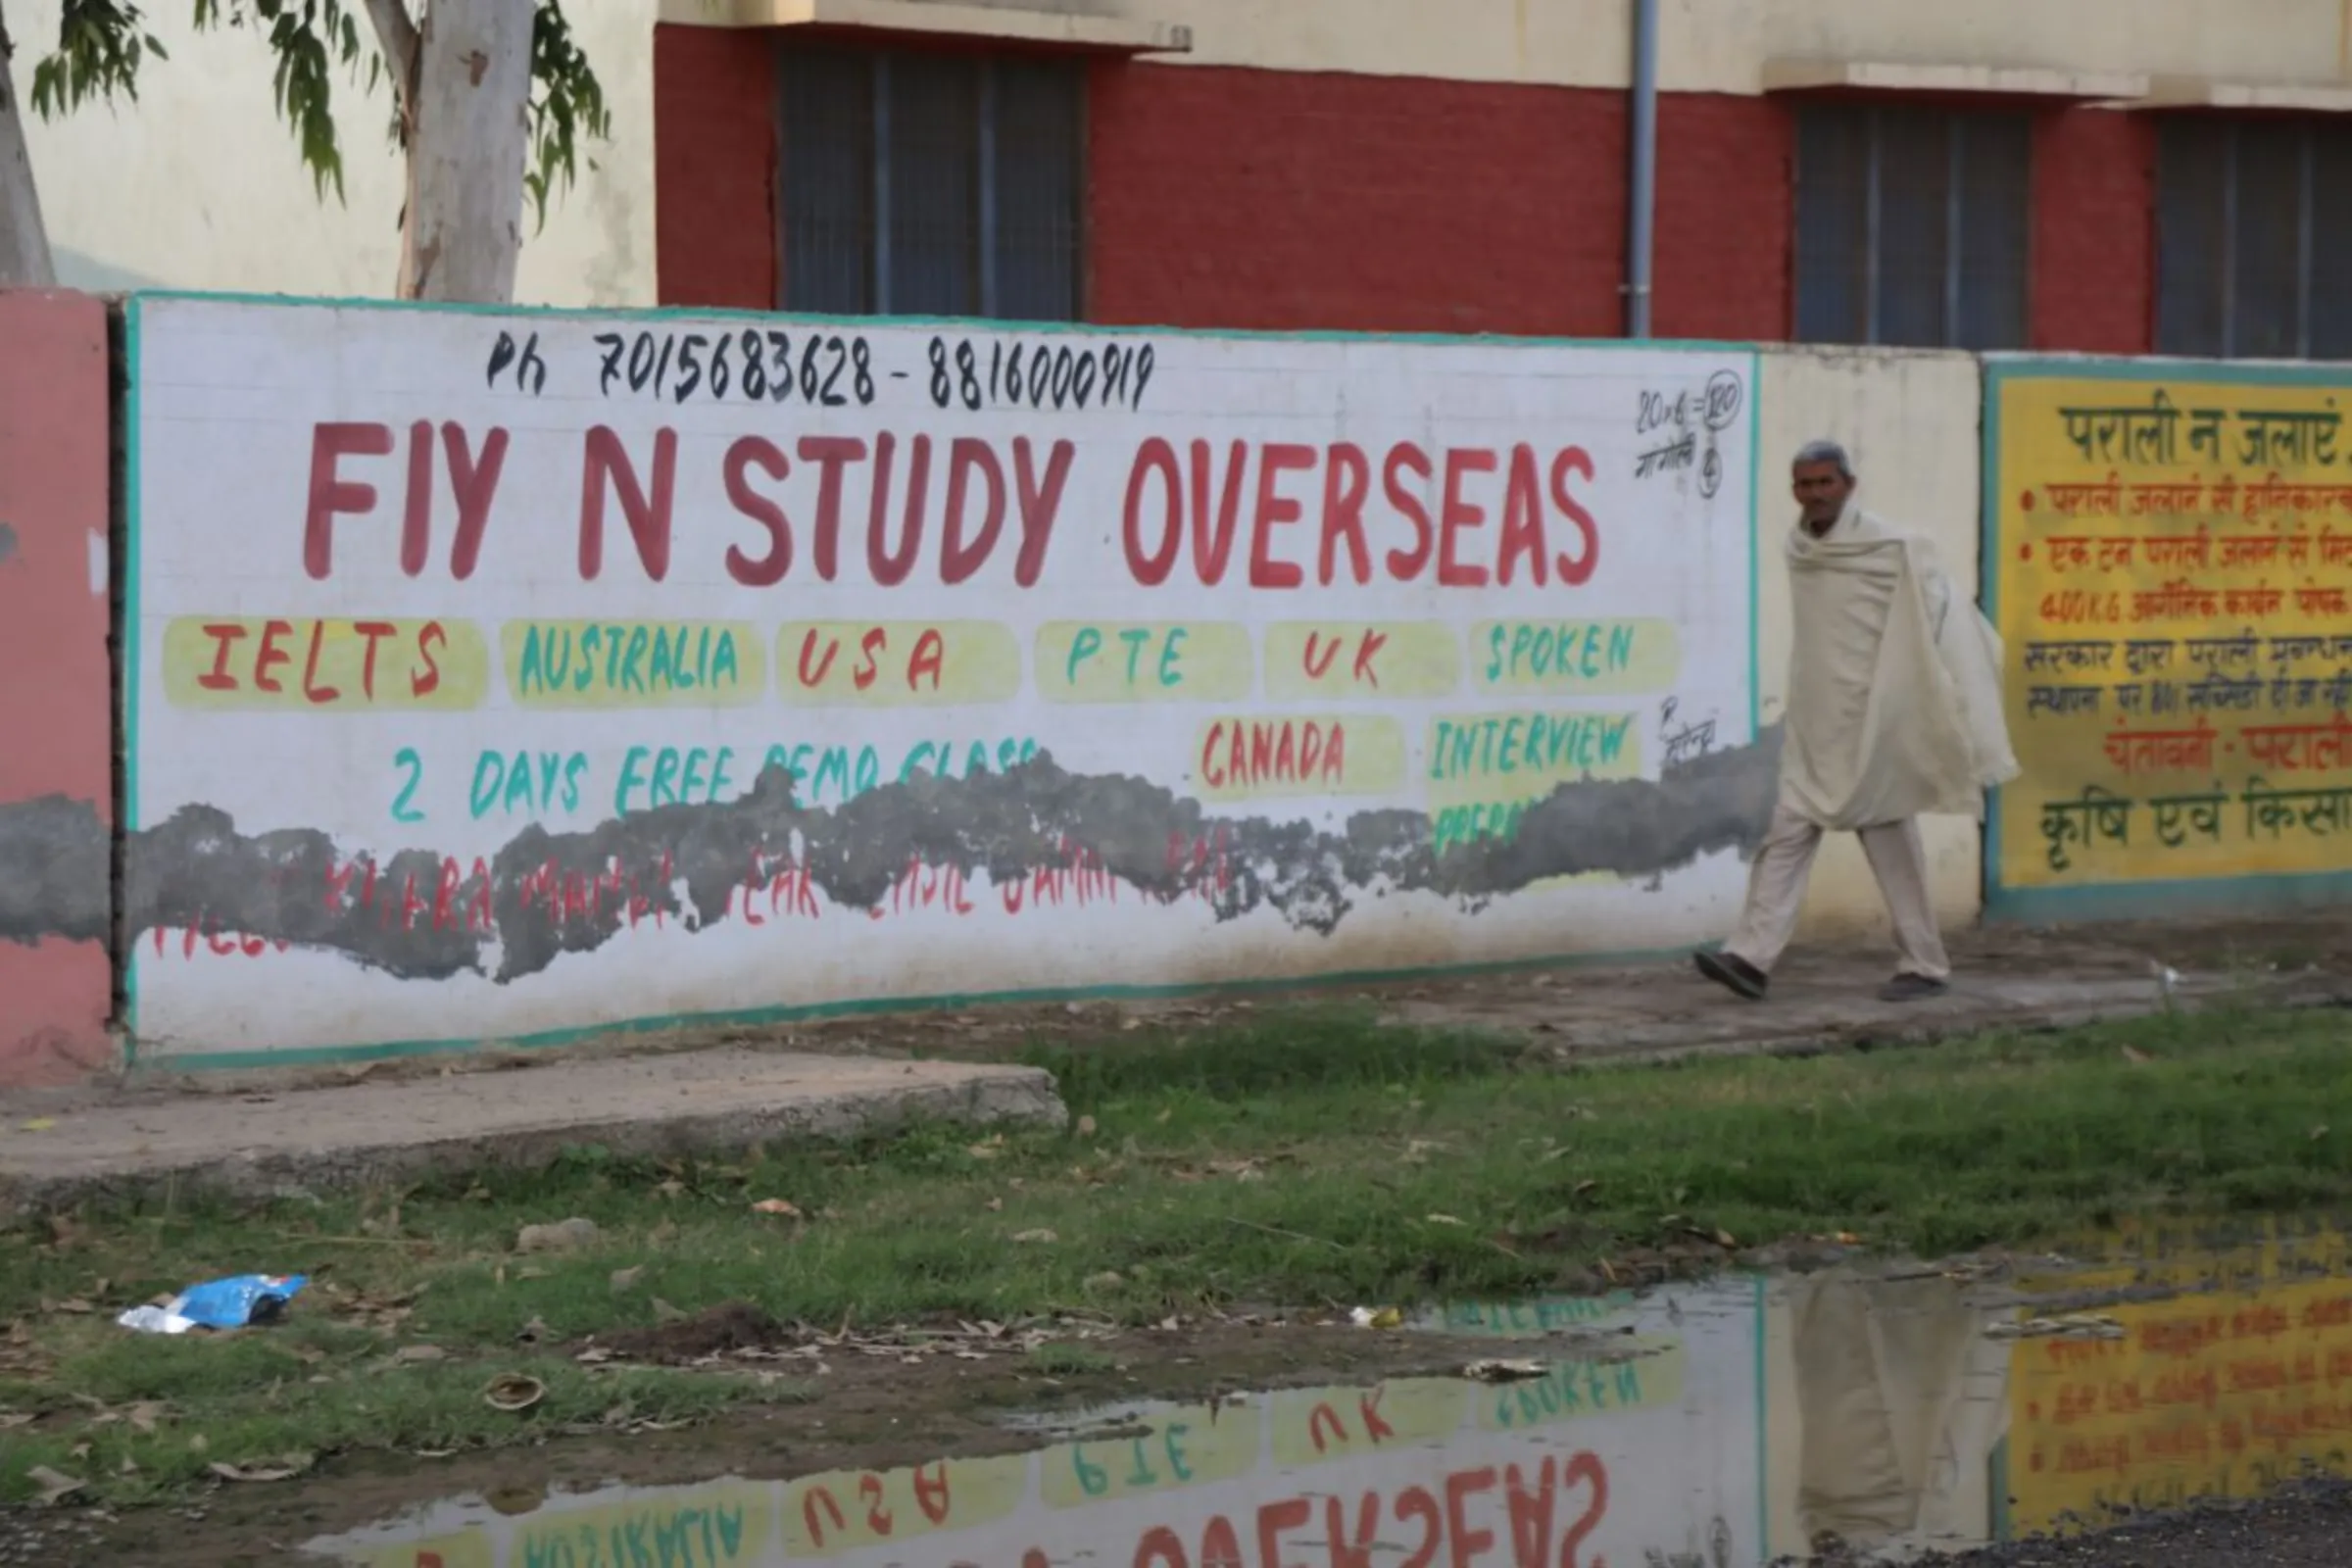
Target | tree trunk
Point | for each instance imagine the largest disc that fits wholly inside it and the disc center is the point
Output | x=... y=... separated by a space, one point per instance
x=24 y=259
x=468 y=140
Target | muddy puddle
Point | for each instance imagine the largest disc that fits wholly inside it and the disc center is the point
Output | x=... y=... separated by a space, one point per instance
x=1876 y=1412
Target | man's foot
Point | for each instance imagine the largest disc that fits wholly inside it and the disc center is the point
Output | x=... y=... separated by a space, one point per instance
x=1911 y=988
x=1734 y=974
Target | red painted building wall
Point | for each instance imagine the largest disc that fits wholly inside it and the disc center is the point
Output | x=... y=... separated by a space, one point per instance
x=56 y=694
x=1274 y=200
x=1291 y=201
x=714 y=166
x=2094 y=232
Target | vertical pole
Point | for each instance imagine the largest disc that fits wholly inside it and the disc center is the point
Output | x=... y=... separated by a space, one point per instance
x=1641 y=206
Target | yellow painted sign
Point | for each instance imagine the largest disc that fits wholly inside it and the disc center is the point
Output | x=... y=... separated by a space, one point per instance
x=1314 y=1425
x=309 y=664
x=1142 y=662
x=709 y=1527
x=853 y=663
x=1308 y=660
x=1184 y=1447
x=1651 y=1375
x=633 y=663
x=2173 y=581
x=844 y=1509
x=469 y=1548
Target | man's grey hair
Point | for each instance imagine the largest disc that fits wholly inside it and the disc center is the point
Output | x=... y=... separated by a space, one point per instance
x=1824 y=452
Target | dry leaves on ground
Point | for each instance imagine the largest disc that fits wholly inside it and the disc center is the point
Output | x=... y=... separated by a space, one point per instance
x=280 y=1469
x=513 y=1393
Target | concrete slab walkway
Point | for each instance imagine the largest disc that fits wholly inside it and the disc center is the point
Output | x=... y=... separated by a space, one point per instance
x=731 y=1089
x=356 y=1133
x=1827 y=998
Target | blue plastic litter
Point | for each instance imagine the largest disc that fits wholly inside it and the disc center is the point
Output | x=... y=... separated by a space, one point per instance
x=246 y=1300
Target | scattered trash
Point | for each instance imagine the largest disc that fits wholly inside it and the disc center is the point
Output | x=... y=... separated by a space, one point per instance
x=1108 y=1279
x=283 y=1469
x=38 y=1124
x=246 y=1300
x=54 y=1485
x=1503 y=1371
x=776 y=1206
x=513 y=1393
x=1387 y=1317
x=556 y=1238
x=1086 y=1126
x=1439 y=1219
x=418 y=1354
x=2081 y=1326
x=1041 y=1236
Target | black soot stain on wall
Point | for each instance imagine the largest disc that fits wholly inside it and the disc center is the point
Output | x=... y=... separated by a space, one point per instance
x=197 y=871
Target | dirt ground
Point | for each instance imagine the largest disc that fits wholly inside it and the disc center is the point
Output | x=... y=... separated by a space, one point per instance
x=2305 y=1526
x=874 y=1415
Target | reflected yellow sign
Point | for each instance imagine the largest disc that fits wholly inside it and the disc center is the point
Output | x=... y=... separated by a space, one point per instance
x=2216 y=1394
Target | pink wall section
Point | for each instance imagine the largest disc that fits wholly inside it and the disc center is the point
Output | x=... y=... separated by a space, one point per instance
x=55 y=697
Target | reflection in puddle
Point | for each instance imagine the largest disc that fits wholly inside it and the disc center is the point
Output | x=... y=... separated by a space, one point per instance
x=1715 y=1426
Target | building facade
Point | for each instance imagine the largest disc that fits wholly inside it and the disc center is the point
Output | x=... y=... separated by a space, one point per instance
x=2106 y=175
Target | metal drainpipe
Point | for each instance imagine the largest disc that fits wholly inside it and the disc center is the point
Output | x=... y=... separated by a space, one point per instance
x=1642 y=208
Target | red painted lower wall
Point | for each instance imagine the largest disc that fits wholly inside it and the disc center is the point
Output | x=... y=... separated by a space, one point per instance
x=56 y=694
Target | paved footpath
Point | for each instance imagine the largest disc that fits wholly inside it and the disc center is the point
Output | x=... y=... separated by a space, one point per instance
x=354 y=1132
x=733 y=1089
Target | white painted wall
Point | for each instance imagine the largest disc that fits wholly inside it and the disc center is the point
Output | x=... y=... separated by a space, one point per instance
x=1721 y=45
x=1910 y=422
x=198 y=185
x=1628 y=466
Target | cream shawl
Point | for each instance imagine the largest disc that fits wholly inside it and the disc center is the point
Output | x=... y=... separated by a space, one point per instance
x=1894 y=689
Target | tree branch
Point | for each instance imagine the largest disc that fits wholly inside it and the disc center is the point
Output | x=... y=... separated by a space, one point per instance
x=396 y=35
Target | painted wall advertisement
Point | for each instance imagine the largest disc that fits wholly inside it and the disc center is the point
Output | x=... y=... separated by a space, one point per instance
x=512 y=674
x=1649 y=1462
x=2173 y=569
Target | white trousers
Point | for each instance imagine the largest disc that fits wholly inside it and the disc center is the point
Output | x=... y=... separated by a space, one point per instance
x=1776 y=891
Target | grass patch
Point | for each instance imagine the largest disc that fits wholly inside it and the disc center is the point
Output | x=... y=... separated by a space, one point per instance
x=1071 y=1360
x=1305 y=1158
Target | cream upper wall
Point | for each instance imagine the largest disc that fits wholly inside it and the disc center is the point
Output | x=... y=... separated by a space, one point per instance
x=1721 y=45
x=1910 y=422
x=197 y=184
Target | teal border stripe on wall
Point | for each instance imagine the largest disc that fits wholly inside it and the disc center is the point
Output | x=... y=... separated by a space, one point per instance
x=133 y=498
x=804 y=1012
x=2093 y=902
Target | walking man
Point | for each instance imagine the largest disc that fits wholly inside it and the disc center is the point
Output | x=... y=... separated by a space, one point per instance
x=1894 y=710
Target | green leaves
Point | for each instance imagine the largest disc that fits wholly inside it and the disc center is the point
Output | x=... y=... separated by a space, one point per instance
x=566 y=102
x=103 y=43
x=100 y=46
